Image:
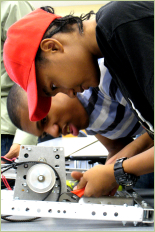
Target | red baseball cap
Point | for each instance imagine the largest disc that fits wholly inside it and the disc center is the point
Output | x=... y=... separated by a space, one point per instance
x=20 y=48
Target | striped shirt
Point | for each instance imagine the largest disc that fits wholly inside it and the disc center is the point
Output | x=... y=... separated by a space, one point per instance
x=109 y=113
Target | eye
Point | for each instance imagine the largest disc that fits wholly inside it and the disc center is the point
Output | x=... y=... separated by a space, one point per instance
x=53 y=87
x=43 y=121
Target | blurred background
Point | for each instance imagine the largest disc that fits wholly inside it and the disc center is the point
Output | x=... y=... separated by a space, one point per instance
x=65 y=7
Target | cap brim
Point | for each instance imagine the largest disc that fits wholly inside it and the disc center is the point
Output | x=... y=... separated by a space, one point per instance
x=38 y=106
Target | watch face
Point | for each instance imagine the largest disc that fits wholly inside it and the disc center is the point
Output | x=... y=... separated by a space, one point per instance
x=121 y=159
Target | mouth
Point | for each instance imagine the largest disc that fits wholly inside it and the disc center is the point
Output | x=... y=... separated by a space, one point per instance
x=70 y=129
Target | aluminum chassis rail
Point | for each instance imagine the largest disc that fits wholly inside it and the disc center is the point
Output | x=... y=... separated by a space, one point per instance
x=126 y=206
x=86 y=208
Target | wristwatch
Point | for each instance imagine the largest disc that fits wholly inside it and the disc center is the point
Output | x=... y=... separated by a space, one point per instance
x=122 y=178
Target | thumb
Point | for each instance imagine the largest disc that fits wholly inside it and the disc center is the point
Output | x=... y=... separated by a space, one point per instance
x=82 y=183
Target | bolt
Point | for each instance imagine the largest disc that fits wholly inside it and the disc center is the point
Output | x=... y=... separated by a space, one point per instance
x=29 y=148
x=41 y=178
x=55 y=149
x=42 y=159
x=134 y=194
x=124 y=223
x=24 y=184
x=125 y=205
x=136 y=205
x=134 y=223
x=144 y=203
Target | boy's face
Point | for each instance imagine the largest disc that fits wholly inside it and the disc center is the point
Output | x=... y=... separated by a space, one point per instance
x=69 y=72
x=65 y=116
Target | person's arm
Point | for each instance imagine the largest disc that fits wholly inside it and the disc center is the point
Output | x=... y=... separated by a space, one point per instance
x=113 y=146
x=100 y=180
x=11 y=12
x=21 y=138
x=142 y=143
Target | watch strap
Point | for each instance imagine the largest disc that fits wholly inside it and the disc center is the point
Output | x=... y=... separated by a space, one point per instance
x=122 y=178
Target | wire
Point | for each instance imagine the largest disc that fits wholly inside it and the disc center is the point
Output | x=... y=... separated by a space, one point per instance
x=16 y=220
x=6 y=182
x=14 y=165
x=10 y=160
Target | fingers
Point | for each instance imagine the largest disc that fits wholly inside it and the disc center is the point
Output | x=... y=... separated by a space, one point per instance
x=76 y=175
x=113 y=191
x=82 y=181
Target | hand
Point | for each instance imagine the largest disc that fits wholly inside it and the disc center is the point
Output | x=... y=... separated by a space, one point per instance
x=13 y=152
x=98 y=181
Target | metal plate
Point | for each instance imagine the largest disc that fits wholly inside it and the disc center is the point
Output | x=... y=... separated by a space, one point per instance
x=54 y=156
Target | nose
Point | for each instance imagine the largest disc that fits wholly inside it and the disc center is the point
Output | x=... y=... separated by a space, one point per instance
x=70 y=92
x=52 y=130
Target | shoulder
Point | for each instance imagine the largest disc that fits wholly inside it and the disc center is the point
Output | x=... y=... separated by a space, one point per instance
x=18 y=8
x=114 y=14
x=11 y=11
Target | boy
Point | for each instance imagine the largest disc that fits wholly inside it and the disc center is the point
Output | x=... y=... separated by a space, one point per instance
x=122 y=33
x=64 y=60
x=69 y=116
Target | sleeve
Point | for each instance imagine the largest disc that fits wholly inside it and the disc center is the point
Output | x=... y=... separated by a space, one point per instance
x=11 y=12
x=24 y=138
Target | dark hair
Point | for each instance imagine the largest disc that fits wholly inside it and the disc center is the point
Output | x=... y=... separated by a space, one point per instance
x=63 y=24
x=15 y=103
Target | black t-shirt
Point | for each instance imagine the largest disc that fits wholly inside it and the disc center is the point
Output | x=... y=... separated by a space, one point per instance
x=125 y=36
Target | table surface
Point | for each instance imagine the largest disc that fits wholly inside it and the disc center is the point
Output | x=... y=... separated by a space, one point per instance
x=56 y=224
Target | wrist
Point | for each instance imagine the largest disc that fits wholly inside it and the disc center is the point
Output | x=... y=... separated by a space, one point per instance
x=127 y=180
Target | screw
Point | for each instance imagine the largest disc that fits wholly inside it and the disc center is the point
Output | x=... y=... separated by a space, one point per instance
x=124 y=223
x=136 y=205
x=125 y=205
x=134 y=223
x=42 y=159
x=144 y=203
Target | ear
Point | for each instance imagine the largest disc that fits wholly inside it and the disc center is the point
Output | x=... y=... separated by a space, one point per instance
x=51 y=45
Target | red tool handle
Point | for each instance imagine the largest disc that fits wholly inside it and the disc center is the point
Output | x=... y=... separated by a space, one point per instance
x=78 y=192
